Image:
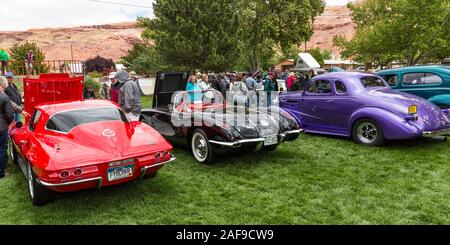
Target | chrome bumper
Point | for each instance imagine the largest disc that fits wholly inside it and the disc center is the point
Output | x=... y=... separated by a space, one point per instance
x=443 y=132
x=145 y=168
x=236 y=143
x=296 y=131
x=46 y=184
x=100 y=179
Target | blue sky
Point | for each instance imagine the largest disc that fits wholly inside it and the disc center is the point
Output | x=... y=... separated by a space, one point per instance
x=19 y=15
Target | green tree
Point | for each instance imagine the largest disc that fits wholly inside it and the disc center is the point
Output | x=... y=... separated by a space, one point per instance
x=17 y=55
x=319 y=55
x=275 y=23
x=195 y=33
x=413 y=31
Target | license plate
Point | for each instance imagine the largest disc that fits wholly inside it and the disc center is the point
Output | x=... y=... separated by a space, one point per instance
x=271 y=140
x=121 y=172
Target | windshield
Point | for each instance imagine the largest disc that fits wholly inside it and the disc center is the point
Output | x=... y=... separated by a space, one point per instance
x=67 y=120
x=188 y=101
x=372 y=82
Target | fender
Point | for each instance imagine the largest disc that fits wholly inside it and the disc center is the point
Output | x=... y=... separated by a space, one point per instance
x=296 y=115
x=394 y=127
x=442 y=99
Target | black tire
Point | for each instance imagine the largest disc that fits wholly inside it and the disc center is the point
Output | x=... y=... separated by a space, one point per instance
x=200 y=147
x=367 y=132
x=150 y=176
x=270 y=148
x=12 y=152
x=39 y=195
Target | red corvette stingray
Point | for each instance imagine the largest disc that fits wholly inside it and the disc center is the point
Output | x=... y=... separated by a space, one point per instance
x=81 y=144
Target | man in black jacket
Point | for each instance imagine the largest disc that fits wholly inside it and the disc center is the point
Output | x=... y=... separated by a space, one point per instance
x=13 y=94
x=6 y=117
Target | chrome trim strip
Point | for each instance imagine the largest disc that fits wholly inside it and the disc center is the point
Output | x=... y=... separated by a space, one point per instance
x=236 y=143
x=443 y=132
x=145 y=168
x=99 y=179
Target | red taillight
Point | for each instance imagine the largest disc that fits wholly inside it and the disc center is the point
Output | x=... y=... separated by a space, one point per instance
x=165 y=154
x=157 y=156
x=64 y=174
x=78 y=172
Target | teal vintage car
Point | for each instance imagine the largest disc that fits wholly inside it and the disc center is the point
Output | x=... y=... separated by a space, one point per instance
x=431 y=82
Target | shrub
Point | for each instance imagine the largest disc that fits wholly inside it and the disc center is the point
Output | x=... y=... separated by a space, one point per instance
x=95 y=74
x=17 y=55
x=99 y=64
x=91 y=82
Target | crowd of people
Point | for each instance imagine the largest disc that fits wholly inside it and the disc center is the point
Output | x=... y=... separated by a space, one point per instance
x=125 y=91
x=243 y=88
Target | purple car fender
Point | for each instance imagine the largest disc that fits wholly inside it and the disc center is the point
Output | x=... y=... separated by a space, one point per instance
x=394 y=127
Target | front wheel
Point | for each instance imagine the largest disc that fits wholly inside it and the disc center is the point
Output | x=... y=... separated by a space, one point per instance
x=368 y=132
x=39 y=194
x=201 y=148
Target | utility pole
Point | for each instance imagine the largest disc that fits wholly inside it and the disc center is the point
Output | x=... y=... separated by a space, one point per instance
x=71 y=52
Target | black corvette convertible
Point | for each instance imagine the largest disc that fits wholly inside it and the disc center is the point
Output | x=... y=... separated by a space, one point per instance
x=212 y=126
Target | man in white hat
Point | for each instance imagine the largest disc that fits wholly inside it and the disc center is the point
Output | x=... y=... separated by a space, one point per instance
x=115 y=87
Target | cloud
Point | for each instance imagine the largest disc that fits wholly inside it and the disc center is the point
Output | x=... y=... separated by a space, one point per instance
x=20 y=15
x=23 y=15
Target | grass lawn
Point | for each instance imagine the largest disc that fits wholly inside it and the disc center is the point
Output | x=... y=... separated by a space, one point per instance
x=314 y=180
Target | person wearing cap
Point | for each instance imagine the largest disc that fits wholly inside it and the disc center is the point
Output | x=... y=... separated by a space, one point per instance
x=115 y=87
x=6 y=118
x=4 y=60
x=14 y=95
x=129 y=96
x=135 y=78
x=29 y=61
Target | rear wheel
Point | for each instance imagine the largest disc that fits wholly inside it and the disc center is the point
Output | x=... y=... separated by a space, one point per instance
x=39 y=194
x=368 y=132
x=201 y=148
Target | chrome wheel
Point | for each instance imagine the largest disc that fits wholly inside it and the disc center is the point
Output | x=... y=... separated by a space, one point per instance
x=199 y=147
x=30 y=181
x=367 y=132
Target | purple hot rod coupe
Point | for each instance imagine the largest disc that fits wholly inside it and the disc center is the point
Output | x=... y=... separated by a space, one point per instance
x=364 y=107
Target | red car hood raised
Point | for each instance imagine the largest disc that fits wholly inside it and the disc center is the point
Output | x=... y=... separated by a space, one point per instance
x=103 y=142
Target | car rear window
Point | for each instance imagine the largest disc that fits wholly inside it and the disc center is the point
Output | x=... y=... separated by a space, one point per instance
x=372 y=82
x=67 y=120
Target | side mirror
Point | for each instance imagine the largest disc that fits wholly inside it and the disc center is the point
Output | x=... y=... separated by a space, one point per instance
x=19 y=124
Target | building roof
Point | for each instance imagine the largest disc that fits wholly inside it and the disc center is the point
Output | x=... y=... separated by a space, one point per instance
x=340 y=62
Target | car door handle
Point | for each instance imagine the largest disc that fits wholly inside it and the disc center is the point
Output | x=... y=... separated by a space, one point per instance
x=329 y=101
x=22 y=142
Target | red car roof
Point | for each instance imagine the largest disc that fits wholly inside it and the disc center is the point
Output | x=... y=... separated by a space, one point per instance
x=53 y=108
